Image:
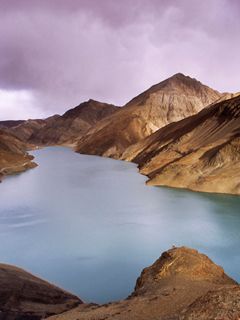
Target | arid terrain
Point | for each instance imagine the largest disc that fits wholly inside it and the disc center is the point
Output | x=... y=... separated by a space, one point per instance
x=119 y=160
x=180 y=132
x=181 y=284
x=65 y=129
x=24 y=296
x=172 y=288
x=201 y=152
x=171 y=100
x=16 y=137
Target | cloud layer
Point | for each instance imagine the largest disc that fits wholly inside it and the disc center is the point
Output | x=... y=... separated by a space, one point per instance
x=63 y=52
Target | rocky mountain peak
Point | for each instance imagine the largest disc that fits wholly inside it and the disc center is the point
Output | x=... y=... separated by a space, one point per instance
x=180 y=77
x=179 y=82
x=179 y=85
x=87 y=106
x=181 y=263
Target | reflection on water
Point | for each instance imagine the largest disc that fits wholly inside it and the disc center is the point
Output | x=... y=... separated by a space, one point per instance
x=90 y=224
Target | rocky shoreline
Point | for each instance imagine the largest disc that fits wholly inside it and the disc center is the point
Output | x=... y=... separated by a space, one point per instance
x=181 y=285
x=14 y=158
x=18 y=167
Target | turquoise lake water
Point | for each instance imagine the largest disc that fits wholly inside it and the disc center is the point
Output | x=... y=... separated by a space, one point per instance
x=90 y=224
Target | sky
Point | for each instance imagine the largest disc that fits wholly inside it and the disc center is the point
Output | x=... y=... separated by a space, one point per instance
x=55 y=54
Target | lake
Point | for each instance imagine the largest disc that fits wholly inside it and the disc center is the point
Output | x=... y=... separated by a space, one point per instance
x=90 y=224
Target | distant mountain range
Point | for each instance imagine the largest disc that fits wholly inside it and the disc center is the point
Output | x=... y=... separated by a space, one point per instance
x=175 y=131
x=73 y=124
x=63 y=129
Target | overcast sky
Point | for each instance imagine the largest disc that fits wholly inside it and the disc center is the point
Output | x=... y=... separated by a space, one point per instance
x=55 y=54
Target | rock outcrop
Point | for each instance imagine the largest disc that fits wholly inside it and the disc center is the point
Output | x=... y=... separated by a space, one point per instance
x=171 y=100
x=175 y=287
x=24 y=296
x=13 y=155
x=201 y=152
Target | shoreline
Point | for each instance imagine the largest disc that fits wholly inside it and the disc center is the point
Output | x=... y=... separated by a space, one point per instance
x=21 y=168
x=17 y=169
x=148 y=182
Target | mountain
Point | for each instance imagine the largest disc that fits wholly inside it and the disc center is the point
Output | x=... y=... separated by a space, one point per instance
x=29 y=127
x=177 y=286
x=13 y=155
x=10 y=123
x=171 y=100
x=73 y=124
x=24 y=296
x=201 y=152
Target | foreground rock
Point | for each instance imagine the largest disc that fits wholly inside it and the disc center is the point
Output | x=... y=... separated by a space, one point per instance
x=177 y=286
x=170 y=100
x=13 y=156
x=220 y=304
x=201 y=152
x=24 y=296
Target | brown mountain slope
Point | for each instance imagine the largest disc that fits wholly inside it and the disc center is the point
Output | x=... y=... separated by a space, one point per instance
x=29 y=127
x=171 y=100
x=10 y=123
x=13 y=156
x=24 y=296
x=72 y=124
x=201 y=152
x=170 y=289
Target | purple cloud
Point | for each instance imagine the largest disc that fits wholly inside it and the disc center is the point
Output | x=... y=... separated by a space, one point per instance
x=63 y=52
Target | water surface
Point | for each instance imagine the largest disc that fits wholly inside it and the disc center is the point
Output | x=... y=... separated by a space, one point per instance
x=90 y=224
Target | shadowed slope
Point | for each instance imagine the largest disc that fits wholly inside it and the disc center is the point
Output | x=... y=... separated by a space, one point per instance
x=24 y=296
x=201 y=152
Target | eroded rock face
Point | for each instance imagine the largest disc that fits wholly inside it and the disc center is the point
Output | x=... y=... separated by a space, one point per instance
x=201 y=152
x=24 y=296
x=171 y=100
x=175 y=287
